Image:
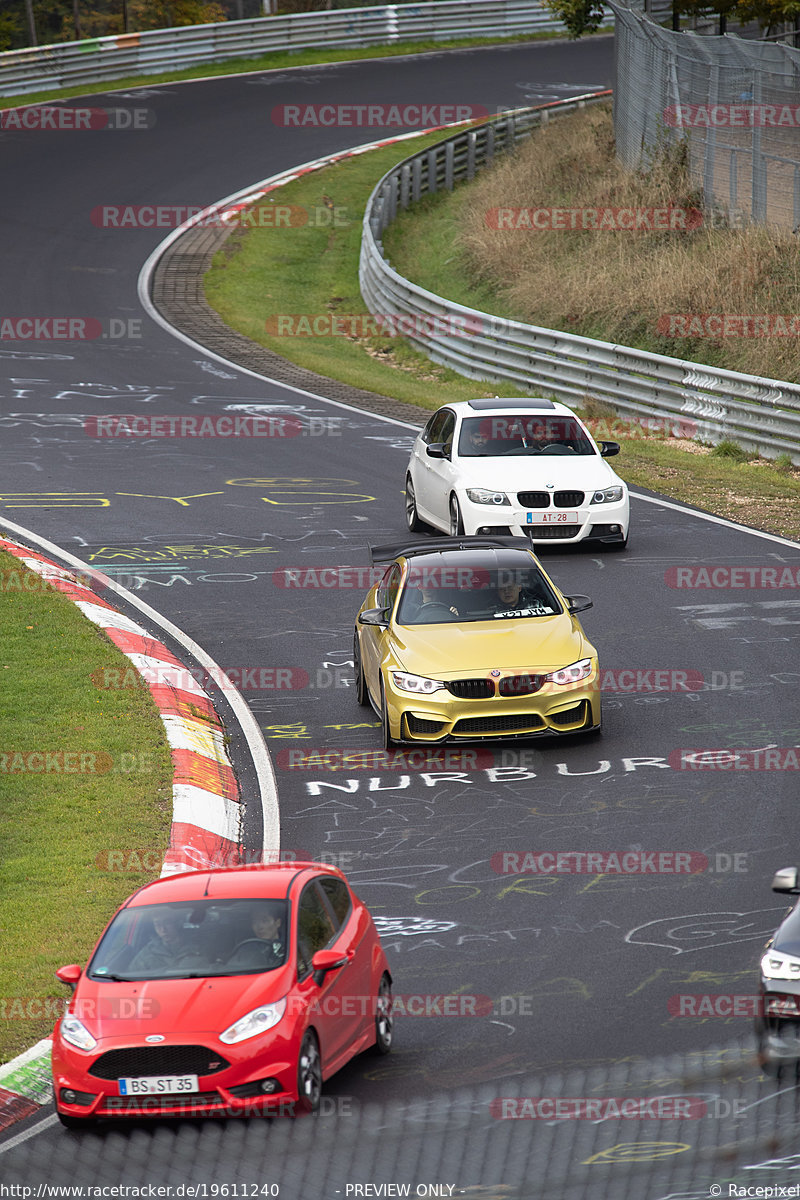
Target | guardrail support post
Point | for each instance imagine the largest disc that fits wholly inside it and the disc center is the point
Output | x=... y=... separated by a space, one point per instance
x=405 y=174
x=471 y=154
x=432 y=167
x=449 y=158
x=490 y=143
x=416 y=179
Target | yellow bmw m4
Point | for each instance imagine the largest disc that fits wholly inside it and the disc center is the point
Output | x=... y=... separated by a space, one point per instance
x=468 y=638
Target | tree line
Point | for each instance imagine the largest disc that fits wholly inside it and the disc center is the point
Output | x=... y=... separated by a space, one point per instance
x=584 y=16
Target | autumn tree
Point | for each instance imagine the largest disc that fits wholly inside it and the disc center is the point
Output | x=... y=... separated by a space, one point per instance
x=579 y=16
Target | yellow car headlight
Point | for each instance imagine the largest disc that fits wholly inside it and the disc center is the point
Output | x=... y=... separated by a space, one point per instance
x=572 y=674
x=416 y=683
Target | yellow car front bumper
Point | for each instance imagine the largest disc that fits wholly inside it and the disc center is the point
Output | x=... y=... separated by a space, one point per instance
x=441 y=716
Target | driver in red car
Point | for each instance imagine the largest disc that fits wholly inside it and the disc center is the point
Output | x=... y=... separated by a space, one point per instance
x=267 y=948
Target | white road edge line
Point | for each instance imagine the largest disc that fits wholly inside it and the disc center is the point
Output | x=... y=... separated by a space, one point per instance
x=39 y=1127
x=682 y=508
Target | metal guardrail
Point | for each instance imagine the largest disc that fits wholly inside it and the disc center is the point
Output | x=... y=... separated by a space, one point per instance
x=761 y=414
x=110 y=58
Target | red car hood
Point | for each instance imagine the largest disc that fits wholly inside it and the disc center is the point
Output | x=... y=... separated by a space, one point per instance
x=173 y=1007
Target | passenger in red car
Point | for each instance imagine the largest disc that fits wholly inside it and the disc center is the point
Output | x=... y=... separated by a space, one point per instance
x=170 y=947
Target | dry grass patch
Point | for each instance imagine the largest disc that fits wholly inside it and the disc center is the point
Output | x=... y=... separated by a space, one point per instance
x=599 y=283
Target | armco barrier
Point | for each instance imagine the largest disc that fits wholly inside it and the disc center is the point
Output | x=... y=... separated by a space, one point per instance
x=760 y=414
x=108 y=58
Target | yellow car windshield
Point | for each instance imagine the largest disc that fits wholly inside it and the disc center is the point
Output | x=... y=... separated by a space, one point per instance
x=438 y=597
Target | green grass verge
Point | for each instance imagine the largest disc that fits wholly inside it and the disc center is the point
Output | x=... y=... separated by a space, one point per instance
x=751 y=491
x=262 y=272
x=314 y=270
x=423 y=245
x=276 y=61
x=54 y=895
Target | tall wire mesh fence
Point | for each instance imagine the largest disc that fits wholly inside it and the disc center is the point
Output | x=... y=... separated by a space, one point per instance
x=736 y=102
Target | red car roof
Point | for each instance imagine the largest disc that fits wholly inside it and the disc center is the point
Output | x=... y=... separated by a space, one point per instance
x=254 y=880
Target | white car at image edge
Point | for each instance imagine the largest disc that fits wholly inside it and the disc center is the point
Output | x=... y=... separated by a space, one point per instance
x=525 y=467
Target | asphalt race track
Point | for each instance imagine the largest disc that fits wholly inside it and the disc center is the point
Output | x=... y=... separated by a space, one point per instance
x=583 y=971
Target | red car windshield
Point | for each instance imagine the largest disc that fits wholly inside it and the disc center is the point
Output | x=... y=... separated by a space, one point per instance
x=183 y=941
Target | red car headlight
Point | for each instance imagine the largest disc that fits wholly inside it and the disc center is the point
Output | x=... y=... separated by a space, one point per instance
x=76 y=1033
x=259 y=1020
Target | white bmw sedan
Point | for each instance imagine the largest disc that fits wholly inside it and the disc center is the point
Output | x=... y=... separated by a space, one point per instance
x=525 y=467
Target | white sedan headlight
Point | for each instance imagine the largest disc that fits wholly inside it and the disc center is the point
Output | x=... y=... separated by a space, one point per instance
x=572 y=674
x=255 y=1022
x=485 y=496
x=780 y=966
x=607 y=495
x=76 y=1033
x=416 y=683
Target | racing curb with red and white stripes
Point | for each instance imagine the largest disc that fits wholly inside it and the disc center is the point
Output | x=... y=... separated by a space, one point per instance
x=206 y=801
x=206 y=804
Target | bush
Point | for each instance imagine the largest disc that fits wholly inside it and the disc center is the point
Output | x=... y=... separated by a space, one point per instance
x=727 y=448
